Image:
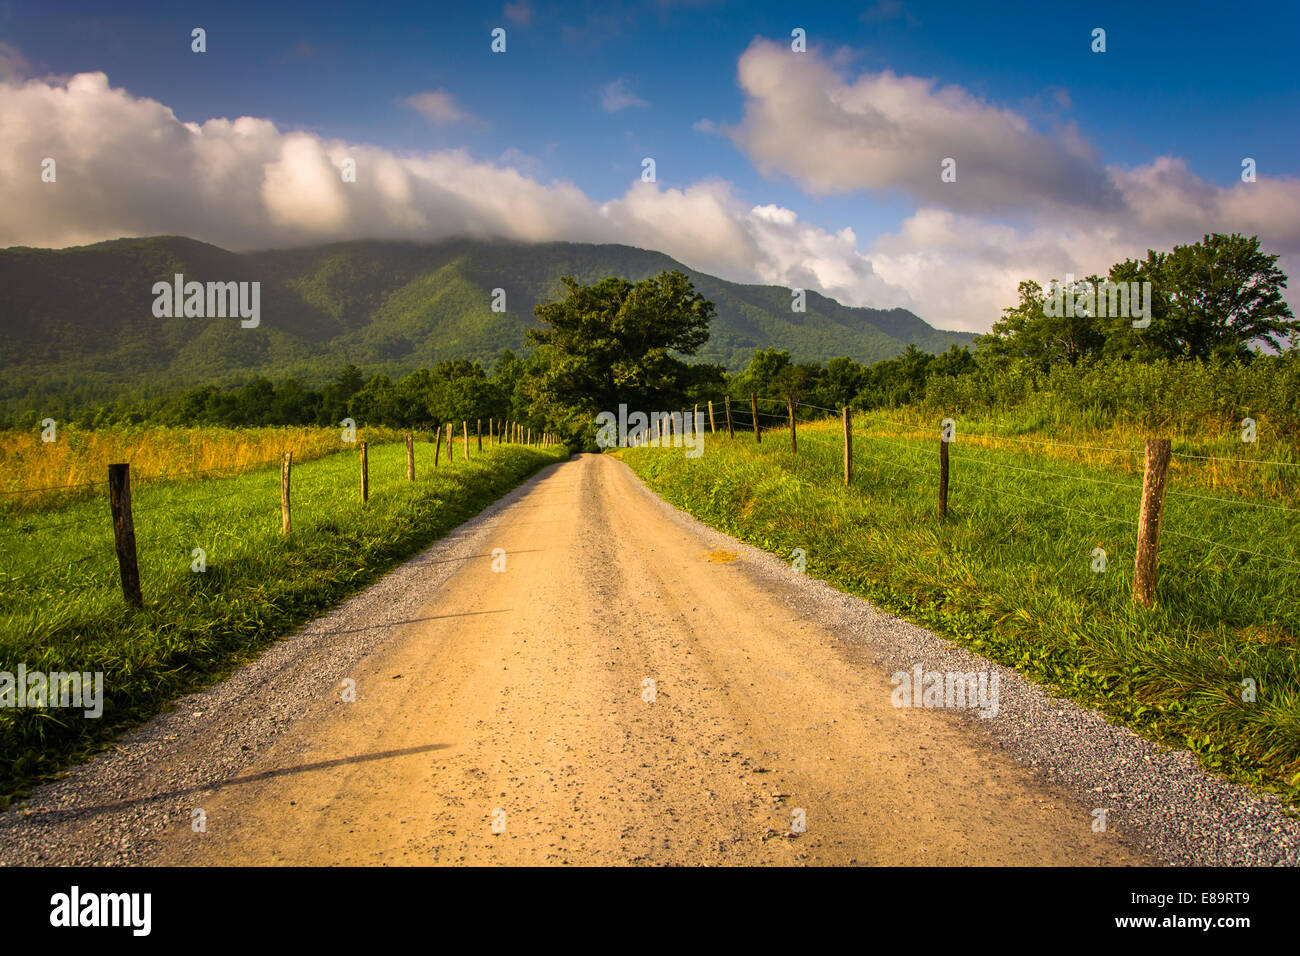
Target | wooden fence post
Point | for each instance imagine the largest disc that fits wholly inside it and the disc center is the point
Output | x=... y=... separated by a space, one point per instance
x=410 y=457
x=365 y=475
x=731 y=433
x=848 y=446
x=119 y=503
x=286 y=468
x=437 y=444
x=713 y=427
x=789 y=404
x=464 y=428
x=943 y=479
x=1154 y=480
x=478 y=433
x=753 y=410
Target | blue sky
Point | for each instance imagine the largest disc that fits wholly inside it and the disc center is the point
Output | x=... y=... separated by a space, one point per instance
x=1206 y=83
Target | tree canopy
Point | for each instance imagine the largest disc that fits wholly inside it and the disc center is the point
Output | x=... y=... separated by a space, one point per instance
x=1218 y=298
x=618 y=342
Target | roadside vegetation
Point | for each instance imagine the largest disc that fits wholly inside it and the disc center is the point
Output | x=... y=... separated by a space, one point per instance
x=1051 y=406
x=1013 y=573
x=37 y=474
x=62 y=609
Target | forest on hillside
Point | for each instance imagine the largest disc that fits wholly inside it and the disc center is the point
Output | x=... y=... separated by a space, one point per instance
x=1217 y=349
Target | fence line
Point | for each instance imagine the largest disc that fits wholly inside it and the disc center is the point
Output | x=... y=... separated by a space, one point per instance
x=124 y=509
x=1244 y=461
x=10 y=531
x=1232 y=501
x=969 y=434
x=32 y=491
x=1053 y=474
x=1127 y=451
x=1153 y=487
x=1220 y=544
x=1067 y=508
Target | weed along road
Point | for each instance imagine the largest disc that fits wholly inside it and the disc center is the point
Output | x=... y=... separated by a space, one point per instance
x=615 y=684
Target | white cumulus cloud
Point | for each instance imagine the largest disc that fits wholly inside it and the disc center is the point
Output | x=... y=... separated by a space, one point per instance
x=127 y=166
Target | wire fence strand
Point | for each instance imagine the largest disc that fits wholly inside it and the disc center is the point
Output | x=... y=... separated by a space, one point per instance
x=1127 y=486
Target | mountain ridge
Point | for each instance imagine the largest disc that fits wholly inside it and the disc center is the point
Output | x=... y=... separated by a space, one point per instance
x=80 y=319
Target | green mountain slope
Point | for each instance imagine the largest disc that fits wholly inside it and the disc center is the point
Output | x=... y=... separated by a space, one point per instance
x=79 y=321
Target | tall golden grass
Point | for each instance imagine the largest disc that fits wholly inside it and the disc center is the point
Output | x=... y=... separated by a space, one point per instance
x=36 y=474
x=1215 y=461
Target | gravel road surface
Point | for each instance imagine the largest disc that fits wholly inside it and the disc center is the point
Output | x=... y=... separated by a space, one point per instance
x=619 y=684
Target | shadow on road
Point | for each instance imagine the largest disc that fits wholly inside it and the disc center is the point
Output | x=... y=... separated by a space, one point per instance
x=54 y=816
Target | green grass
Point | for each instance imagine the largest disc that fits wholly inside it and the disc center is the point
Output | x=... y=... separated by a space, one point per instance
x=1012 y=577
x=61 y=605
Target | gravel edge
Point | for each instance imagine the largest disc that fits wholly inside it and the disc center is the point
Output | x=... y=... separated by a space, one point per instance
x=113 y=809
x=1160 y=798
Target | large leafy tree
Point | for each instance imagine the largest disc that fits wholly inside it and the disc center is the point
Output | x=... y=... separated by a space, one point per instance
x=1212 y=299
x=1027 y=331
x=618 y=342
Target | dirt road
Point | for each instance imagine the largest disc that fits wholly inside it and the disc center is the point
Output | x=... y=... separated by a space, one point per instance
x=519 y=700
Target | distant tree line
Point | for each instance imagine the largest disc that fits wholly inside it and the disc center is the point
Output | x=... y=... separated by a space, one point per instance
x=1213 y=304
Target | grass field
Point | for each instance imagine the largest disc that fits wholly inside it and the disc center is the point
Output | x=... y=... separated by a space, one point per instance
x=37 y=475
x=61 y=605
x=1010 y=573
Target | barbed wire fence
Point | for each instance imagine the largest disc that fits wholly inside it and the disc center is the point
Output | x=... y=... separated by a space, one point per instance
x=1146 y=521
x=115 y=491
